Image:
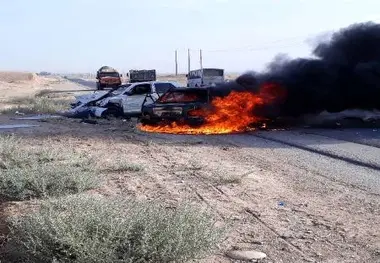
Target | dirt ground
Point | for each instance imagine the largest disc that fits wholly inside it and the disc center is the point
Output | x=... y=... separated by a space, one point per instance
x=281 y=200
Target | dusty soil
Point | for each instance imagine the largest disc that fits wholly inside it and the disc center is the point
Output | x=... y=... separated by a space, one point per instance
x=290 y=203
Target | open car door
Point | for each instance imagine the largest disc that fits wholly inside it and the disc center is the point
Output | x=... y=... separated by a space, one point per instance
x=132 y=103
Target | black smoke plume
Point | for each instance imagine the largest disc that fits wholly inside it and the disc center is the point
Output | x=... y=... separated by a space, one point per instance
x=344 y=75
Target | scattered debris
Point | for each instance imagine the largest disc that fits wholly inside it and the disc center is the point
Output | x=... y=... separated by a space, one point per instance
x=14 y=126
x=38 y=117
x=246 y=255
x=89 y=121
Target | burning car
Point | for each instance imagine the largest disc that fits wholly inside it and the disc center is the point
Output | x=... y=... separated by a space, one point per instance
x=220 y=109
x=186 y=105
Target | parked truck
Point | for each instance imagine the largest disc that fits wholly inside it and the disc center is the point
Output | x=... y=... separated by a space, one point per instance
x=108 y=77
x=142 y=75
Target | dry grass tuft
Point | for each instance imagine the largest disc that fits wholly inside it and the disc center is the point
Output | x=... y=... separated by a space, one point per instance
x=122 y=166
x=27 y=172
x=227 y=179
x=98 y=230
x=9 y=76
x=36 y=105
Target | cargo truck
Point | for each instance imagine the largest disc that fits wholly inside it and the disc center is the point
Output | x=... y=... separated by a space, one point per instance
x=142 y=75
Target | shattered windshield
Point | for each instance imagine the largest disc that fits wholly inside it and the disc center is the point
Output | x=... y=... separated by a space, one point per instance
x=184 y=96
x=109 y=74
x=121 y=89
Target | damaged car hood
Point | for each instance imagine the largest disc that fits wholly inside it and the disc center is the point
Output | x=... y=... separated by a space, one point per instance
x=83 y=99
x=99 y=95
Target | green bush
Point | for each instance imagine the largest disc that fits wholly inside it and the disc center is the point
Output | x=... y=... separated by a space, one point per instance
x=93 y=229
x=27 y=172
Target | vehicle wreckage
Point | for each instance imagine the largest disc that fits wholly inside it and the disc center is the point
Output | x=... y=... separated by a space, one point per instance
x=157 y=102
x=152 y=102
x=127 y=100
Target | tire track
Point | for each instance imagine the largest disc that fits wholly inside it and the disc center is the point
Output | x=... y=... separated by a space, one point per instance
x=253 y=214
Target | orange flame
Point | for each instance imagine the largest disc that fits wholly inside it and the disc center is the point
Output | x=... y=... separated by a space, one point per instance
x=230 y=114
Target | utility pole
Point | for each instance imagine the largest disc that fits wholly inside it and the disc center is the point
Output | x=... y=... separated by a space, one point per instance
x=176 y=63
x=188 y=60
x=201 y=64
x=200 y=58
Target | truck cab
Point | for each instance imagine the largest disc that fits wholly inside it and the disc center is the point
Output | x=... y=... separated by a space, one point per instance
x=107 y=77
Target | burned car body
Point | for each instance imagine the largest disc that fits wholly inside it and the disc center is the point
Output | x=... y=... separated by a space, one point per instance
x=192 y=106
x=184 y=105
x=125 y=101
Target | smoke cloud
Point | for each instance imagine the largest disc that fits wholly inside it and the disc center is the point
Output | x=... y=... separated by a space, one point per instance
x=344 y=75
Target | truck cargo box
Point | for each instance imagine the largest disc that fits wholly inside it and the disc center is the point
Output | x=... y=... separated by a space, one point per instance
x=142 y=75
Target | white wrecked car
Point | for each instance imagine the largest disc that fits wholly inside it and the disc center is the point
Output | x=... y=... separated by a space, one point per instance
x=127 y=100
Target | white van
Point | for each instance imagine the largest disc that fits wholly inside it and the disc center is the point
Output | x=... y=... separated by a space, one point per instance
x=204 y=77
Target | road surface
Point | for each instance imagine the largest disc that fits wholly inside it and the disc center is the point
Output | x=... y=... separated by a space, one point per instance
x=91 y=84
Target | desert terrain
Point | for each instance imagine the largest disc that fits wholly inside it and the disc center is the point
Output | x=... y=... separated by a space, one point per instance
x=297 y=195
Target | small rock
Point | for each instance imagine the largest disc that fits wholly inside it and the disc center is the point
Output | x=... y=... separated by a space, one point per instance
x=286 y=235
x=2 y=165
x=246 y=255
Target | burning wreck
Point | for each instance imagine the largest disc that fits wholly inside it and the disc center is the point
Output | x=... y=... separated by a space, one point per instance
x=208 y=110
x=343 y=81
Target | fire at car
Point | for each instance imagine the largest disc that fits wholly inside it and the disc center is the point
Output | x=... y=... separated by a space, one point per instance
x=196 y=111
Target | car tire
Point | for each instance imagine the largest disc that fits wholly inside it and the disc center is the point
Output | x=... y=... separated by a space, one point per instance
x=113 y=110
x=148 y=122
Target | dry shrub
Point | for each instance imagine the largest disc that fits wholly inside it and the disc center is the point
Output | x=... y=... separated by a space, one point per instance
x=27 y=172
x=9 y=76
x=36 y=105
x=92 y=229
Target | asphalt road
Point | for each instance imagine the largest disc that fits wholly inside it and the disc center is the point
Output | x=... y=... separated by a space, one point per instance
x=348 y=156
x=87 y=83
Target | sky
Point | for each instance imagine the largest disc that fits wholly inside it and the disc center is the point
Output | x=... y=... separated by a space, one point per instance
x=237 y=35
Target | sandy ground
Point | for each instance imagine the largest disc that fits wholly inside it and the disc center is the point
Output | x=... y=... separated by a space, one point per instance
x=309 y=195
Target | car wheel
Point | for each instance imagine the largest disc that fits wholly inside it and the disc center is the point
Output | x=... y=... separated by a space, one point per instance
x=113 y=110
x=148 y=122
